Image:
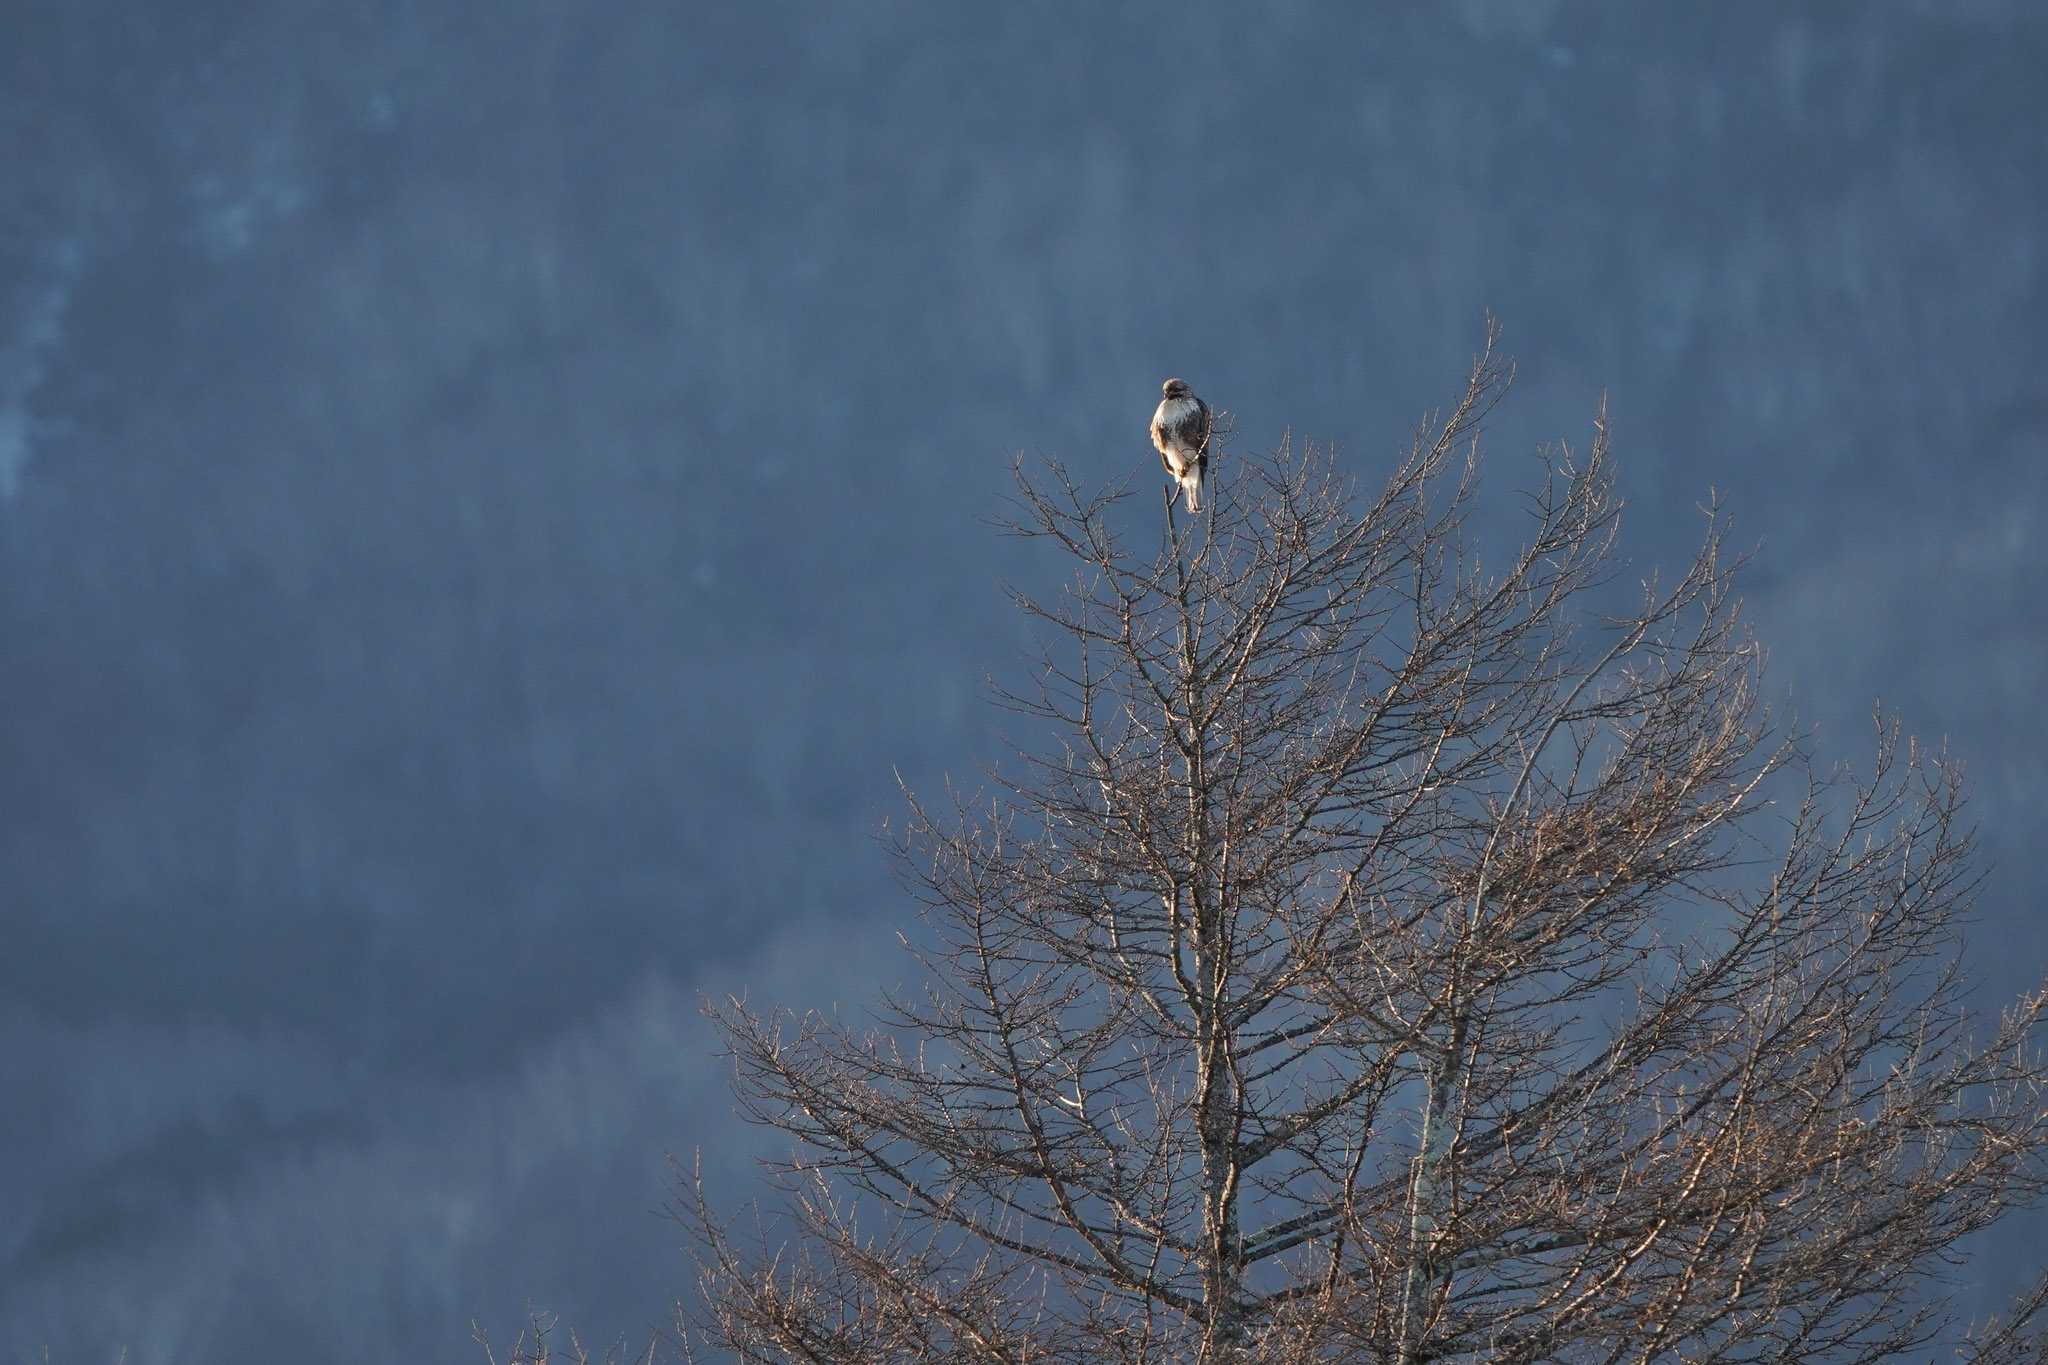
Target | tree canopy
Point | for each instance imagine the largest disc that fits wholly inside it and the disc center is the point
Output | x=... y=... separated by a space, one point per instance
x=1391 y=957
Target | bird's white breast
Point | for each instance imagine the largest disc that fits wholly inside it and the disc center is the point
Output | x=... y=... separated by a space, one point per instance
x=1174 y=411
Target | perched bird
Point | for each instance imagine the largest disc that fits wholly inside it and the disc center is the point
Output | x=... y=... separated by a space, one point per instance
x=1180 y=428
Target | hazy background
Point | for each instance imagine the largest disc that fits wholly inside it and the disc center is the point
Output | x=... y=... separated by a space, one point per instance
x=488 y=492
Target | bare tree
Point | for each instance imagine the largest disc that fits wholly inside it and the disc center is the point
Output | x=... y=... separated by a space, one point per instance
x=1388 y=959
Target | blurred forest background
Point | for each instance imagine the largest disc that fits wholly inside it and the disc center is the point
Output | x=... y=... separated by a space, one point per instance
x=488 y=492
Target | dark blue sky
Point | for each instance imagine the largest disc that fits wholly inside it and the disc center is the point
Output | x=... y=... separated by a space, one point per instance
x=488 y=493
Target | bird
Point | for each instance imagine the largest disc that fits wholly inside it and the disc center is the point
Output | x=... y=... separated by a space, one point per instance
x=1180 y=428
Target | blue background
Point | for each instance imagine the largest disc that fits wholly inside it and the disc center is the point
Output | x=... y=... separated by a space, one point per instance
x=489 y=491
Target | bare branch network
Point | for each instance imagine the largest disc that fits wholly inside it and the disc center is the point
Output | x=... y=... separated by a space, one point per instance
x=1390 y=961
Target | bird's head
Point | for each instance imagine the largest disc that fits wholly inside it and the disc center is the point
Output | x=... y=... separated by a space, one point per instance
x=1176 y=388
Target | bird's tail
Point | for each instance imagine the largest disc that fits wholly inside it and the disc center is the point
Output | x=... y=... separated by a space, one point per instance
x=1192 y=482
